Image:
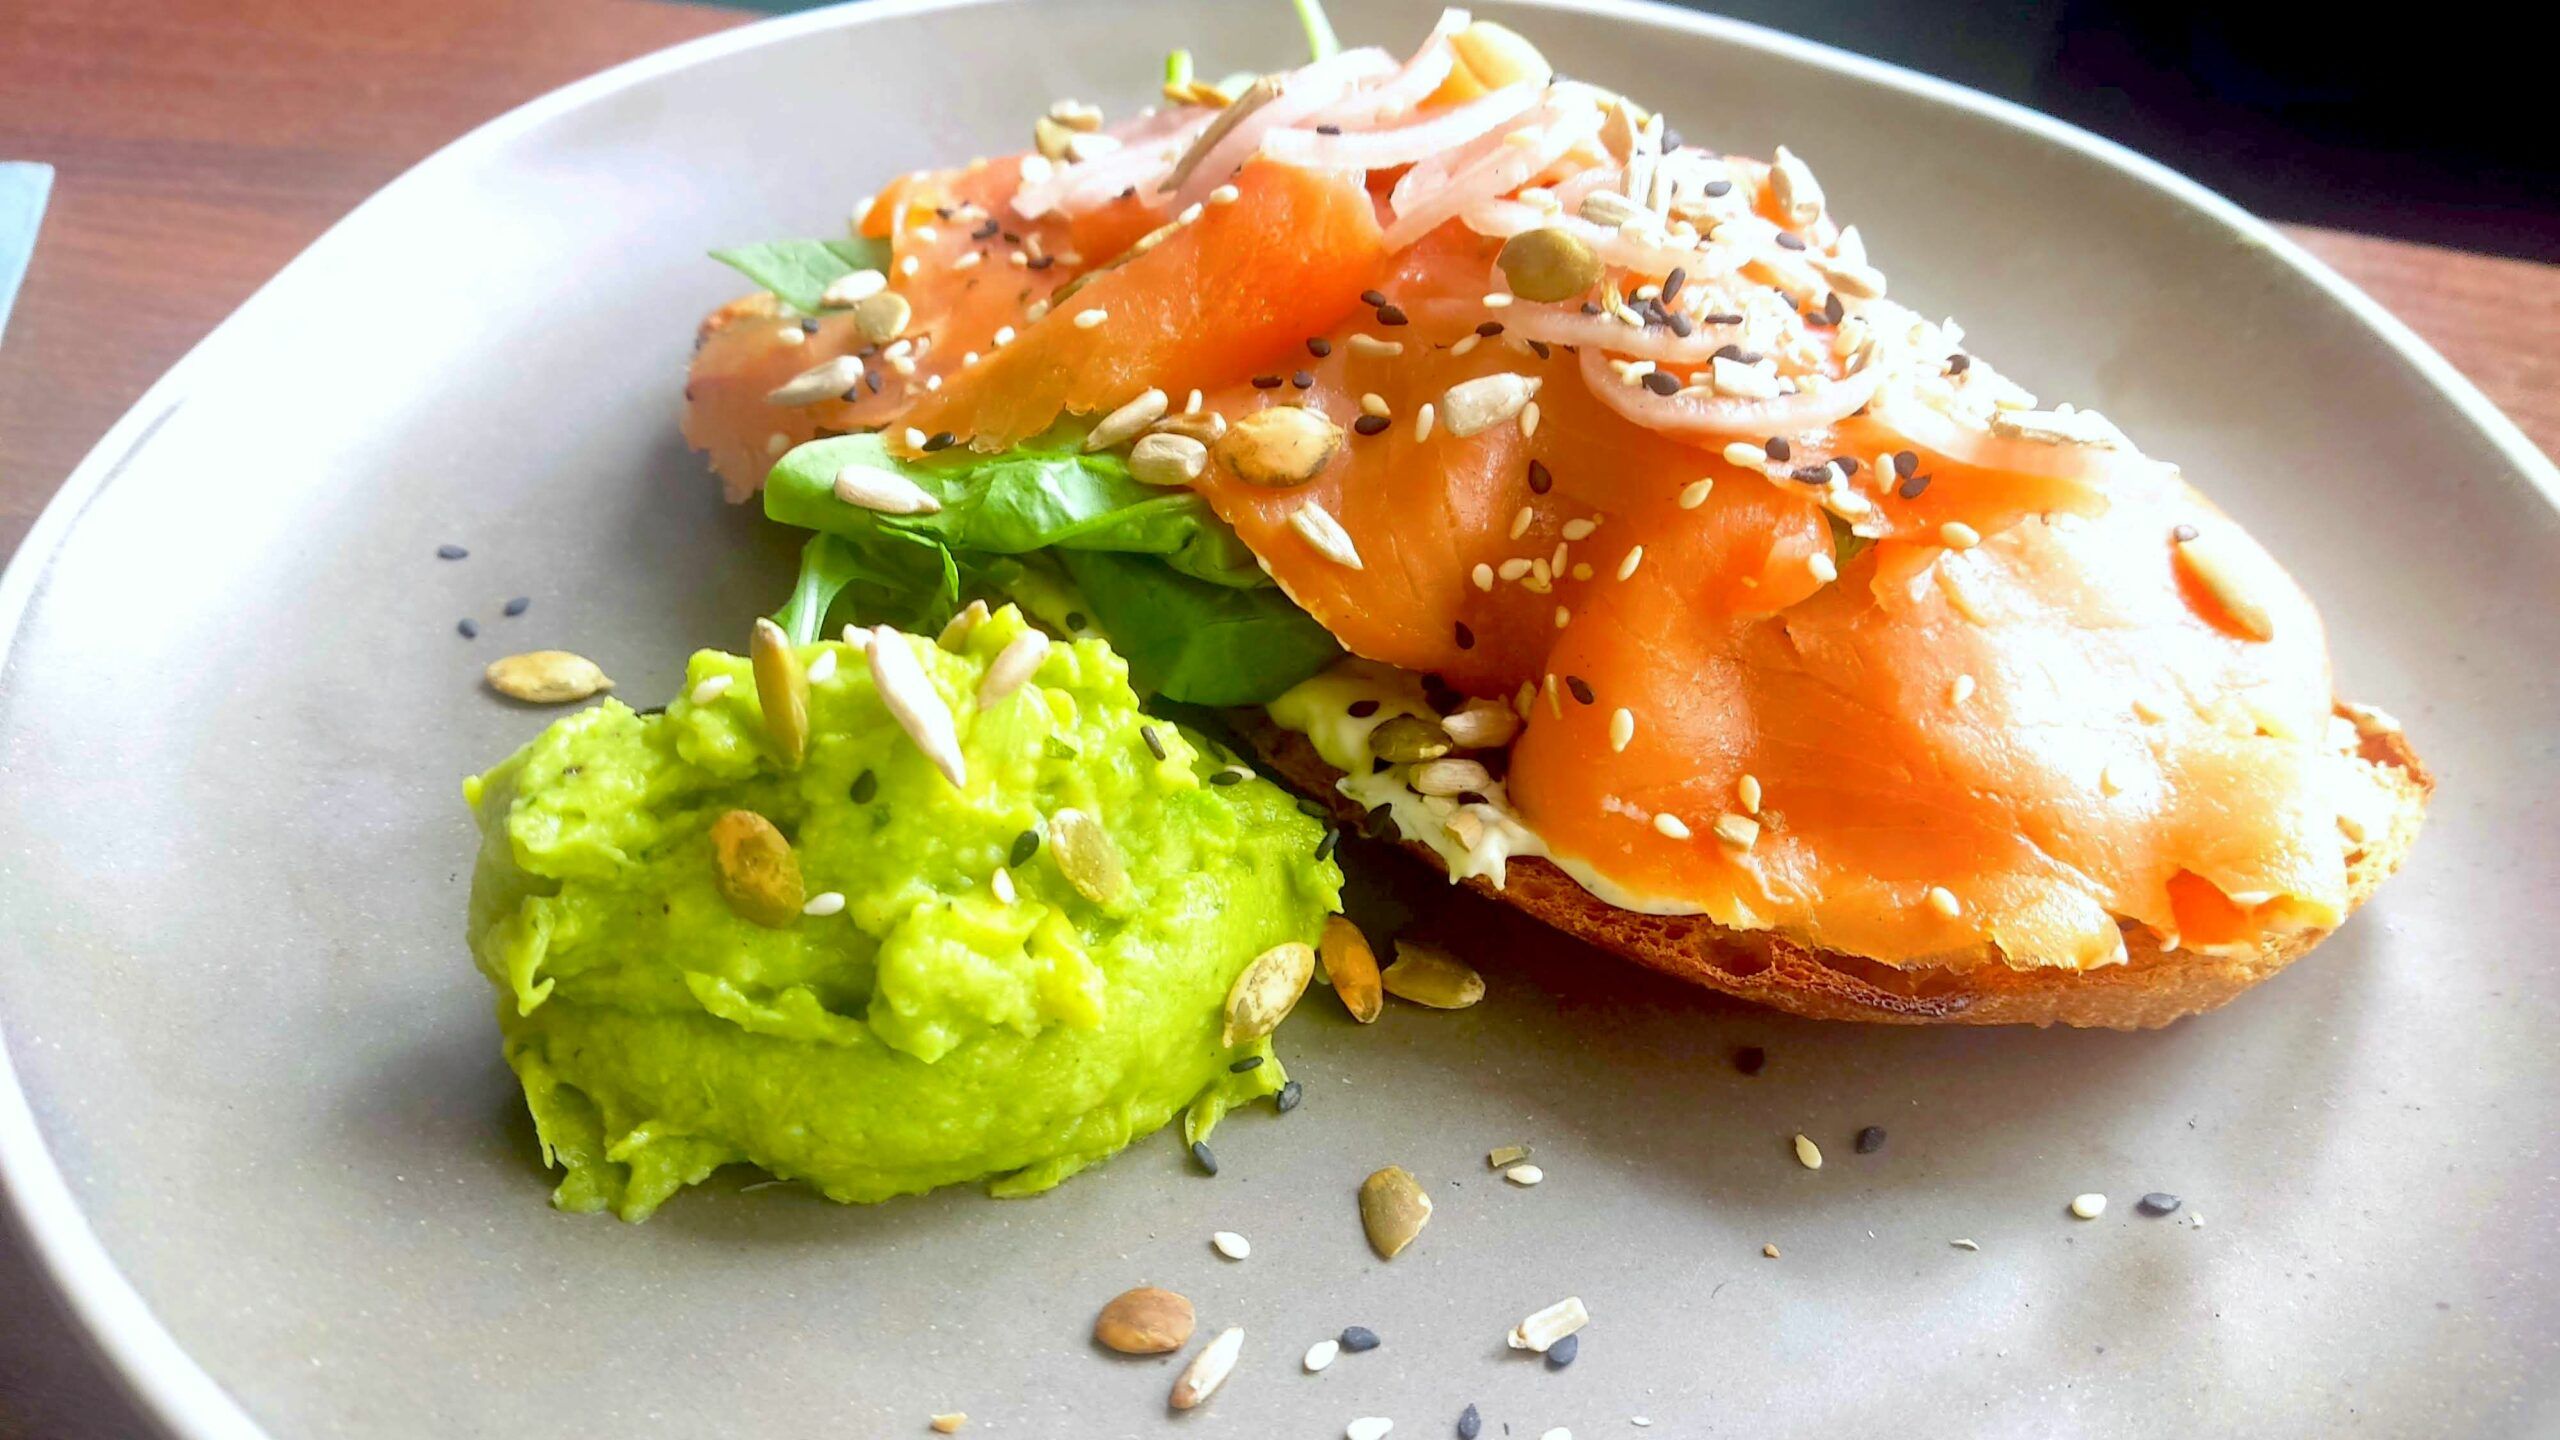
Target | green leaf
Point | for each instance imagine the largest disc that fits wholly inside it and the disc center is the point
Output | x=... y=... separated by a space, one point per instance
x=801 y=270
x=1015 y=504
x=1845 y=546
x=1205 y=644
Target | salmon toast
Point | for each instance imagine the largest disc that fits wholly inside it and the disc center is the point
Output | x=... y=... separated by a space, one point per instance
x=1595 y=524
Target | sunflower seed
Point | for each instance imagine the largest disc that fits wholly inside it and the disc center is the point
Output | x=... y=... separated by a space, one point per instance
x=1123 y=424
x=915 y=704
x=955 y=631
x=1473 y=406
x=1208 y=1370
x=2089 y=1206
x=1167 y=459
x=1013 y=666
x=1316 y=525
x=852 y=289
x=1481 y=725
x=754 y=870
x=1086 y=856
x=1393 y=1210
x=1430 y=976
x=782 y=693
x=1204 y=426
x=823 y=381
x=1740 y=832
x=1352 y=967
x=1232 y=1245
x=1321 y=1354
x=1448 y=777
x=1541 y=1331
x=870 y=488
x=546 y=677
x=1792 y=186
x=1524 y=1175
x=1144 y=1321
x=1266 y=991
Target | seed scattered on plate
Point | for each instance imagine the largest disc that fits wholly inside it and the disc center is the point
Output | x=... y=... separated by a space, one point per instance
x=950 y=1422
x=1359 y=1339
x=1289 y=1096
x=1542 y=1330
x=1769 y=1250
x=1430 y=976
x=1393 y=1210
x=1368 y=1427
x=1808 y=1154
x=1750 y=1059
x=1503 y=1157
x=1204 y=1157
x=1470 y=1423
x=467 y=628
x=546 y=677
x=1321 y=1354
x=1232 y=1245
x=1208 y=1370
x=1870 y=1140
x=2158 y=1202
x=452 y=552
x=1144 y=1321
x=1266 y=991
x=517 y=606
x=1352 y=967
x=1964 y=1245
x=1562 y=1353
x=2089 y=1206
x=1524 y=1175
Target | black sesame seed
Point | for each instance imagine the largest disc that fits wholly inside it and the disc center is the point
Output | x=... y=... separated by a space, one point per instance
x=1318 y=346
x=1470 y=1424
x=450 y=552
x=2183 y=533
x=1870 y=1140
x=1561 y=1353
x=1303 y=379
x=808 y=326
x=1373 y=298
x=1325 y=847
x=1359 y=1338
x=1789 y=240
x=1590 y=307
x=1959 y=363
x=1009 y=237
x=1489 y=328
x=467 y=629
x=1832 y=310
x=1380 y=822
x=852 y=393
x=986 y=231
x=1777 y=448
x=1718 y=189
x=1391 y=315
x=1541 y=479
x=1075 y=620
x=1910 y=489
x=1750 y=1059
x=1155 y=742
x=1662 y=382
x=1266 y=382
x=872 y=379
x=1905 y=463
x=1204 y=1157
x=1025 y=845
x=1812 y=474
x=1466 y=637
x=518 y=606
x=1370 y=425
x=1228 y=776
x=1724 y=317
x=940 y=440
x=1128 y=192
x=1848 y=464
x=1541 y=349
x=1040 y=262
x=1681 y=327
x=1328 y=129
x=2158 y=1202
x=1581 y=688
x=1362 y=709
x=1245 y=1066
x=866 y=785
x=1727 y=352
x=1672 y=282
x=1289 y=1096
x=1311 y=809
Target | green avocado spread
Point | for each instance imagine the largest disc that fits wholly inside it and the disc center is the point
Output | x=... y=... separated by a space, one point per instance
x=944 y=1024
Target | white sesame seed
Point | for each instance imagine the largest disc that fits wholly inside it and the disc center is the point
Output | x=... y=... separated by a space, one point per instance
x=1740 y=832
x=913 y=437
x=776 y=443
x=1824 y=568
x=1944 y=901
x=2089 y=1206
x=1747 y=790
x=1372 y=346
x=910 y=265
x=1001 y=883
x=1529 y=421
x=1555 y=702
x=1581 y=571
x=1373 y=403
x=825 y=902
x=1557 y=564
x=1422 y=419
x=1743 y=452
x=1695 y=493
x=968 y=358
x=1521 y=521
x=1224 y=195
x=900 y=364
x=1087 y=319
x=1964 y=1245
x=1483 y=576
x=2109 y=781
x=1672 y=825
x=1231 y=1244
x=859 y=638
x=1579 y=528
x=1003 y=337
x=1524 y=1175
x=1464 y=345
x=932 y=383
x=1513 y=568
x=711 y=689
x=1959 y=536
x=822 y=669
x=1321 y=1354
x=1189 y=214
x=1808 y=1154
x=1960 y=689
x=1497 y=300
x=1564 y=617
x=1622 y=728
x=790 y=335
x=970 y=260
x=1368 y=1427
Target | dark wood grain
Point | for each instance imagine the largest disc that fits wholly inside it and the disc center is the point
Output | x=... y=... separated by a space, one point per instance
x=201 y=143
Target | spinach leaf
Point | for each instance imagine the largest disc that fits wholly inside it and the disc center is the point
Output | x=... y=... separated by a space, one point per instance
x=801 y=270
x=1205 y=644
x=1035 y=498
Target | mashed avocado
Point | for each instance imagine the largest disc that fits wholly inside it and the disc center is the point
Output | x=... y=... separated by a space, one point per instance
x=943 y=1025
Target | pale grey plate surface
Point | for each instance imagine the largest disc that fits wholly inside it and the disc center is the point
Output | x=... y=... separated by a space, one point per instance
x=259 y=1078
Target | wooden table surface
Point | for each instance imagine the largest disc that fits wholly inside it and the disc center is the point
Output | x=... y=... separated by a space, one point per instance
x=202 y=143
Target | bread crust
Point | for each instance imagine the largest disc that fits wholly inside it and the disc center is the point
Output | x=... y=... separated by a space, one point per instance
x=2152 y=988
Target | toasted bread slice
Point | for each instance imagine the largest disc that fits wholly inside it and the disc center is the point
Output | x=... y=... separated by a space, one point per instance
x=2151 y=989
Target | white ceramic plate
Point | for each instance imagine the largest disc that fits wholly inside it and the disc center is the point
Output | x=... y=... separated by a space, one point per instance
x=260 y=1133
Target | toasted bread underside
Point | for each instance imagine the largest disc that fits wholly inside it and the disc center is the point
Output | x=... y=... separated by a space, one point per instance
x=2151 y=989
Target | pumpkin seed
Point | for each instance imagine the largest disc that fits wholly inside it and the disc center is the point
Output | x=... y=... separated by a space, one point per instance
x=1473 y=406
x=546 y=677
x=1164 y=458
x=1393 y=1209
x=755 y=871
x=1448 y=777
x=1481 y=725
x=824 y=381
x=1280 y=446
x=1266 y=992
x=1013 y=666
x=1208 y=1370
x=1541 y=1331
x=1409 y=738
x=1086 y=856
x=870 y=488
x=1503 y=1157
x=1144 y=1321
x=1792 y=185
x=848 y=290
x=782 y=693
x=1429 y=975
x=1548 y=264
x=1120 y=425
x=1352 y=967
x=915 y=704
x=882 y=317
x=1497 y=56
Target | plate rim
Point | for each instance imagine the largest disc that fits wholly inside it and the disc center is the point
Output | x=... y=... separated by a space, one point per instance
x=164 y=1381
